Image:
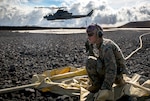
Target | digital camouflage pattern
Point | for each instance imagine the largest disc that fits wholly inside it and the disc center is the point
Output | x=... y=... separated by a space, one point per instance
x=107 y=68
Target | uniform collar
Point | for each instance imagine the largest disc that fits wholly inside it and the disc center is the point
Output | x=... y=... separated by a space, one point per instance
x=98 y=45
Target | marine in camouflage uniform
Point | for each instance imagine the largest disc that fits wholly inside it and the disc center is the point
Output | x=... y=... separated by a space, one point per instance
x=107 y=65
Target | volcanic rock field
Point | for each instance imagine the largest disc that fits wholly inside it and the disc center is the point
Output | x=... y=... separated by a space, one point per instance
x=24 y=54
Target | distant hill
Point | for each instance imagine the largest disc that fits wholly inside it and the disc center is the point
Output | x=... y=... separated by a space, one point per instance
x=35 y=28
x=137 y=24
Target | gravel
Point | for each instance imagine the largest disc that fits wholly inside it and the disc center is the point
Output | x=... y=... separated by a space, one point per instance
x=25 y=54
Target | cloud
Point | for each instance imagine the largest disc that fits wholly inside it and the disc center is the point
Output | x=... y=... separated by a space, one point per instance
x=12 y=2
x=16 y=13
x=134 y=14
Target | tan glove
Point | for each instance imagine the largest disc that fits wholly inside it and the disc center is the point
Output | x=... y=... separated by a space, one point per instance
x=103 y=95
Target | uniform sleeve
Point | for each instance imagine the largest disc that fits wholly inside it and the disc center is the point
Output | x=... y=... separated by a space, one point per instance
x=120 y=60
x=111 y=68
x=91 y=70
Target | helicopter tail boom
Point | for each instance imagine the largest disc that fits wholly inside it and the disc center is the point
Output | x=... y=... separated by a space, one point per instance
x=80 y=16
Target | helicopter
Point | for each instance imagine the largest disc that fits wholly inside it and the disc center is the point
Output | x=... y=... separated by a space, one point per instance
x=62 y=14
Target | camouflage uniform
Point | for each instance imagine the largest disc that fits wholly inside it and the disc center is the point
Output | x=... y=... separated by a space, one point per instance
x=107 y=68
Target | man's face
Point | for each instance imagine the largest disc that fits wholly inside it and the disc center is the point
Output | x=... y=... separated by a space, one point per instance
x=92 y=37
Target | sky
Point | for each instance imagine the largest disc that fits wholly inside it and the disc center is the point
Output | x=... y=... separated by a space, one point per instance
x=106 y=12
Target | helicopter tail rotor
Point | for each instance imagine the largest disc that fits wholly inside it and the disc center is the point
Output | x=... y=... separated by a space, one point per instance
x=90 y=13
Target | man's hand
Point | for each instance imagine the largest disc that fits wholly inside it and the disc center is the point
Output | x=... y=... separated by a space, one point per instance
x=103 y=95
x=89 y=48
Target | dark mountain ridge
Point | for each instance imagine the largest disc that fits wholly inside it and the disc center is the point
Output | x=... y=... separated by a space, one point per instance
x=136 y=24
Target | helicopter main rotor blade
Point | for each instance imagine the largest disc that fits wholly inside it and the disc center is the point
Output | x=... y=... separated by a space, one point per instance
x=51 y=7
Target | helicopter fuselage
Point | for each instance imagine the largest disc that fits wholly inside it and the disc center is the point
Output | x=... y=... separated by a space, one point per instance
x=61 y=14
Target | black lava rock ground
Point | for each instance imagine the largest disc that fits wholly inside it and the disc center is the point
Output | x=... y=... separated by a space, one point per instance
x=24 y=54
